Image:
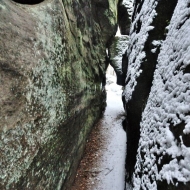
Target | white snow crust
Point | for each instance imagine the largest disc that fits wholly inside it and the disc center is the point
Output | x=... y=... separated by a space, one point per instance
x=168 y=104
x=110 y=165
x=137 y=42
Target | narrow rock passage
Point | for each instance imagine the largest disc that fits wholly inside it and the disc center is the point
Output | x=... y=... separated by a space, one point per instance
x=103 y=164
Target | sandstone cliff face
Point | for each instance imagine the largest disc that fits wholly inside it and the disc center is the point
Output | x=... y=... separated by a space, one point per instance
x=157 y=96
x=51 y=69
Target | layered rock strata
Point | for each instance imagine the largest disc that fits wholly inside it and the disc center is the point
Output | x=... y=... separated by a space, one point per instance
x=52 y=62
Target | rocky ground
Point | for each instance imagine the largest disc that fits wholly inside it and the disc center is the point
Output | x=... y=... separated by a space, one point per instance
x=102 y=167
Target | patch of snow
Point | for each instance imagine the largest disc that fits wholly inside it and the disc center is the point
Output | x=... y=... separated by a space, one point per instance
x=156 y=44
x=118 y=33
x=112 y=163
x=112 y=88
x=110 y=71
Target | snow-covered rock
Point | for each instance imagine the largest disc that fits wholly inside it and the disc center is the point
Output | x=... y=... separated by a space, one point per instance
x=157 y=95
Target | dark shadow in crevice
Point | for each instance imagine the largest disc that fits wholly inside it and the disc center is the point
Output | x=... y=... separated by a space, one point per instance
x=28 y=2
x=124 y=21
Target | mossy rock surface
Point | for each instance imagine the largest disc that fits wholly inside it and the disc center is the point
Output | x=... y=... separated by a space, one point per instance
x=51 y=70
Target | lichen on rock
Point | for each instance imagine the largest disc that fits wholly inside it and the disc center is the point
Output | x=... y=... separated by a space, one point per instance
x=51 y=70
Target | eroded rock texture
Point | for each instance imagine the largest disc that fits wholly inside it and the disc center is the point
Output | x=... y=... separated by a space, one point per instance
x=157 y=96
x=51 y=68
x=115 y=52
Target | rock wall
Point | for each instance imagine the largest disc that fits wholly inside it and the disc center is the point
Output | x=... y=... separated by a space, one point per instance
x=156 y=96
x=125 y=9
x=52 y=62
x=115 y=52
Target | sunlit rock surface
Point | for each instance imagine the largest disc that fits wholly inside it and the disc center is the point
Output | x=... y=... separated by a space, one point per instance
x=51 y=68
x=157 y=96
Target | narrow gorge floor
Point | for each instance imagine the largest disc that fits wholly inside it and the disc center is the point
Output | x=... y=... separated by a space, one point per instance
x=103 y=163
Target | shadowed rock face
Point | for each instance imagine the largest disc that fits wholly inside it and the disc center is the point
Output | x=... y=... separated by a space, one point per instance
x=51 y=69
x=124 y=20
x=156 y=96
